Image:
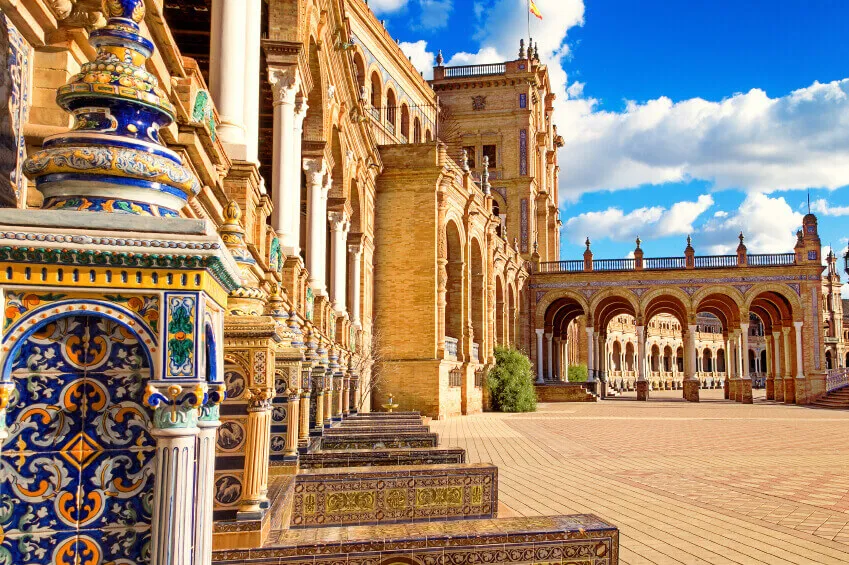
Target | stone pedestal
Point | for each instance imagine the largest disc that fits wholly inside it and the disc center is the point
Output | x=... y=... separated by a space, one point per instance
x=691 y=390
x=770 y=389
x=779 y=390
x=727 y=388
x=745 y=388
x=789 y=391
x=801 y=391
x=642 y=390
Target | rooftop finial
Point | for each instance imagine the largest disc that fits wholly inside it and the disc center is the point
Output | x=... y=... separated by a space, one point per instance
x=113 y=160
x=809 y=201
x=536 y=51
x=587 y=242
x=521 y=48
x=740 y=237
x=439 y=58
x=465 y=162
x=638 y=242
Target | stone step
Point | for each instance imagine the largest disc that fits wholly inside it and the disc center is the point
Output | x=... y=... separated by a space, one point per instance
x=376 y=429
x=382 y=458
x=385 y=495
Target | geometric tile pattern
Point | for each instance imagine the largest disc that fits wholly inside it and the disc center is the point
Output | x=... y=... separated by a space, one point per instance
x=713 y=482
x=327 y=497
x=76 y=480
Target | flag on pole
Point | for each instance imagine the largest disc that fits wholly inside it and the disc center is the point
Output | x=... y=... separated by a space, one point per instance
x=534 y=10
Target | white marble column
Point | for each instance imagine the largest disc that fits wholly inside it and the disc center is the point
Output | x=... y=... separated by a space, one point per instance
x=800 y=371
x=292 y=247
x=566 y=360
x=253 y=31
x=641 y=353
x=205 y=490
x=284 y=87
x=173 y=494
x=744 y=347
x=228 y=51
x=540 y=333
x=339 y=226
x=776 y=355
x=356 y=252
x=558 y=358
x=550 y=352
x=690 y=345
x=590 y=354
x=317 y=188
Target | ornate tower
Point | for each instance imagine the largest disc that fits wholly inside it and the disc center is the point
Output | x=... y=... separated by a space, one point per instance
x=118 y=319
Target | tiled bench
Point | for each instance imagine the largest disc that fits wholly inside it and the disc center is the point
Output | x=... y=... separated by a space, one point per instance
x=381 y=457
x=374 y=429
x=395 y=440
x=413 y=493
x=582 y=538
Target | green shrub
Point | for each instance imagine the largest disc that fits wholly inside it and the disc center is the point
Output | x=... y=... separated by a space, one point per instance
x=511 y=383
x=577 y=373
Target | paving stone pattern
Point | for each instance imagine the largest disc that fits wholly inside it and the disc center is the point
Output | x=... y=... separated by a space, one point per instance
x=715 y=482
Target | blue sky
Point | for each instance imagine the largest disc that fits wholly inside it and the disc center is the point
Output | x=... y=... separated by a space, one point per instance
x=700 y=116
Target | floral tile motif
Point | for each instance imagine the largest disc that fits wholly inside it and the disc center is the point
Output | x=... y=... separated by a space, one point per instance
x=76 y=472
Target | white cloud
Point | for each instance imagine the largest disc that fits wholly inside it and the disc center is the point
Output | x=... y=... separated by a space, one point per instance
x=485 y=55
x=647 y=222
x=386 y=6
x=768 y=224
x=422 y=59
x=822 y=206
x=434 y=13
x=720 y=214
x=748 y=141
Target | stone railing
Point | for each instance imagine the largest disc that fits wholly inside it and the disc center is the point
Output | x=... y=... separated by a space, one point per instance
x=451 y=347
x=667 y=263
x=836 y=378
x=475 y=70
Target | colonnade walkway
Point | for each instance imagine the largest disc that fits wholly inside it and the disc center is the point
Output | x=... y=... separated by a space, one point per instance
x=715 y=482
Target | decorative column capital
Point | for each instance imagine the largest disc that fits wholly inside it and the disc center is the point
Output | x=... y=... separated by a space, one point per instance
x=285 y=84
x=315 y=169
x=174 y=406
x=339 y=221
x=355 y=248
x=215 y=394
x=259 y=399
x=301 y=108
x=798 y=325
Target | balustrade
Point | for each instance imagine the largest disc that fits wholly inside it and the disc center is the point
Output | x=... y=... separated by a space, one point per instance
x=836 y=378
x=669 y=263
x=475 y=70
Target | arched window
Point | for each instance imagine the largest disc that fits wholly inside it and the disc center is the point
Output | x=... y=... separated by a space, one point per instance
x=360 y=68
x=405 y=121
x=375 y=90
x=417 y=131
x=390 y=108
x=428 y=136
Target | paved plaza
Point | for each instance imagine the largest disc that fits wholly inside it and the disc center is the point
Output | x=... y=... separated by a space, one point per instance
x=714 y=482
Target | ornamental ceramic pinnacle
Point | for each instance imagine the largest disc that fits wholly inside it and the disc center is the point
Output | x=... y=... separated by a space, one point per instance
x=113 y=159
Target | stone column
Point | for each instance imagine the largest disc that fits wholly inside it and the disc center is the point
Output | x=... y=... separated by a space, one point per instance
x=253 y=33
x=304 y=409
x=642 y=383
x=227 y=72
x=801 y=387
x=339 y=225
x=176 y=433
x=540 y=333
x=787 y=377
x=356 y=251
x=208 y=426
x=590 y=354
x=745 y=376
x=346 y=395
x=778 y=388
x=319 y=390
x=356 y=392
x=566 y=360
x=284 y=87
x=317 y=187
x=691 y=381
x=292 y=247
x=293 y=423
x=550 y=353
x=255 y=481
x=329 y=387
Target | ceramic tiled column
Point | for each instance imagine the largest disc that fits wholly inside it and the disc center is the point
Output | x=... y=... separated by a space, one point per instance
x=256 y=454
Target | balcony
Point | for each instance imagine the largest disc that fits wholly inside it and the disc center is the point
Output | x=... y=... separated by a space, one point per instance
x=451 y=348
x=476 y=349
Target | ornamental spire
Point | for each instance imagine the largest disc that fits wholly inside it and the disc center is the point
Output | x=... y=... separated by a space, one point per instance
x=113 y=160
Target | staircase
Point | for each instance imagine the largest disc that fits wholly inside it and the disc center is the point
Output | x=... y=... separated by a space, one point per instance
x=838 y=398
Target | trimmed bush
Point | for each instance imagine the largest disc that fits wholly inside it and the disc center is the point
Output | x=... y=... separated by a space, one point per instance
x=577 y=373
x=511 y=383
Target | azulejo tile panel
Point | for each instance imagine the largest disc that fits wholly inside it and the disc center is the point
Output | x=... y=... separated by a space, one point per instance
x=395 y=494
x=76 y=480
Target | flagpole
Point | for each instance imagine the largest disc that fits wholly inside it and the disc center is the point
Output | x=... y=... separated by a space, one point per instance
x=529 y=20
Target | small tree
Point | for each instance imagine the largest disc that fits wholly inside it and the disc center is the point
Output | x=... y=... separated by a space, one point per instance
x=510 y=382
x=370 y=366
x=577 y=373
